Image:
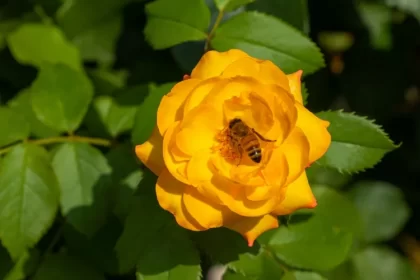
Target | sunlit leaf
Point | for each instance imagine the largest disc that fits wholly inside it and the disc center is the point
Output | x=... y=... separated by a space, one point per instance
x=61 y=96
x=229 y=5
x=294 y=12
x=302 y=275
x=35 y=44
x=28 y=198
x=22 y=104
x=13 y=126
x=115 y=113
x=173 y=22
x=83 y=174
x=357 y=143
x=330 y=230
x=267 y=37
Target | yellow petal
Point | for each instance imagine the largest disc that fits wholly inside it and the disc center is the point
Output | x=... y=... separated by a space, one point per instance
x=173 y=159
x=263 y=70
x=283 y=106
x=295 y=85
x=198 y=130
x=276 y=171
x=213 y=63
x=150 y=152
x=244 y=173
x=316 y=132
x=251 y=228
x=204 y=211
x=169 y=193
x=171 y=106
x=298 y=195
x=296 y=151
x=253 y=110
x=233 y=196
x=200 y=92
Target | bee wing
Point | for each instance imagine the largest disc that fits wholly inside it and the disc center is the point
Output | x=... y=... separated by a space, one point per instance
x=261 y=137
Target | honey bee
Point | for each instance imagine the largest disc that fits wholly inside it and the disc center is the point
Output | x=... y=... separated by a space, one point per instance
x=243 y=138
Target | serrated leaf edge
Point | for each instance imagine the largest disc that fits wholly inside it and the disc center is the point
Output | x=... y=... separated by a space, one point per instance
x=379 y=127
x=301 y=33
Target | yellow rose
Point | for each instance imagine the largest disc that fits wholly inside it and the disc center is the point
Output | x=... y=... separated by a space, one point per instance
x=206 y=177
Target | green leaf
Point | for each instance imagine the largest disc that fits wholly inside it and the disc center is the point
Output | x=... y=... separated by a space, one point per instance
x=24 y=266
x=383 y=209
x=230 y=5
x=83 y=174
x=330 y=231
x=64 y=267
x=7 y=26
x=115 y=113
x=228 y=247
x=410 y=6
x=35 y=44
x=61 y=96
x=28 y=198
x=77 y=16
x=126 y=176
x=22 y=104
x=326 y=176
x=263 y=265
x=107 y=82
x=382 y=263
x=302 y=275
x=177 y=255
x=13 y=126
x=145 y=119
x=137 y=239
x=162 y=239
x=357 y=143
x=170 y=23
x=231 y=275
x=294 y=13
x=99 y=42
x=267 y=37
x=378 y=20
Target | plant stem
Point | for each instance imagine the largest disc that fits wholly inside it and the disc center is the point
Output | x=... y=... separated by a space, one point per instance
x=213 y=29
x=63 y=139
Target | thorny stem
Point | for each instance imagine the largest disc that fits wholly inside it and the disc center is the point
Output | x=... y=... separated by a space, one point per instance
x=213 y=29
x=63 y=139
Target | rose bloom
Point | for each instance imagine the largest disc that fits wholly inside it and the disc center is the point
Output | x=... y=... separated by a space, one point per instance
x=206 y=178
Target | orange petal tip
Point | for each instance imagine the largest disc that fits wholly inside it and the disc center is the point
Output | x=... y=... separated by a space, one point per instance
x=299 y=74
x=313 y=204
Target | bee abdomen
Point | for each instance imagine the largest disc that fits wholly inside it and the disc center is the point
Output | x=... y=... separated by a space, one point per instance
x=254 y=153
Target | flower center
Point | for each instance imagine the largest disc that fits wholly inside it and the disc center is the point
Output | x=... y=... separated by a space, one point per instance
x=240 y=144
x=227 y=146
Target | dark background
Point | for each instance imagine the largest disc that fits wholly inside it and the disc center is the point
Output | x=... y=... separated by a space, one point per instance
x=380 y=84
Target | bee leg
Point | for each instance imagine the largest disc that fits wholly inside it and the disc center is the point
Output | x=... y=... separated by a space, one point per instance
x=240 y=157
x=262 y=137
